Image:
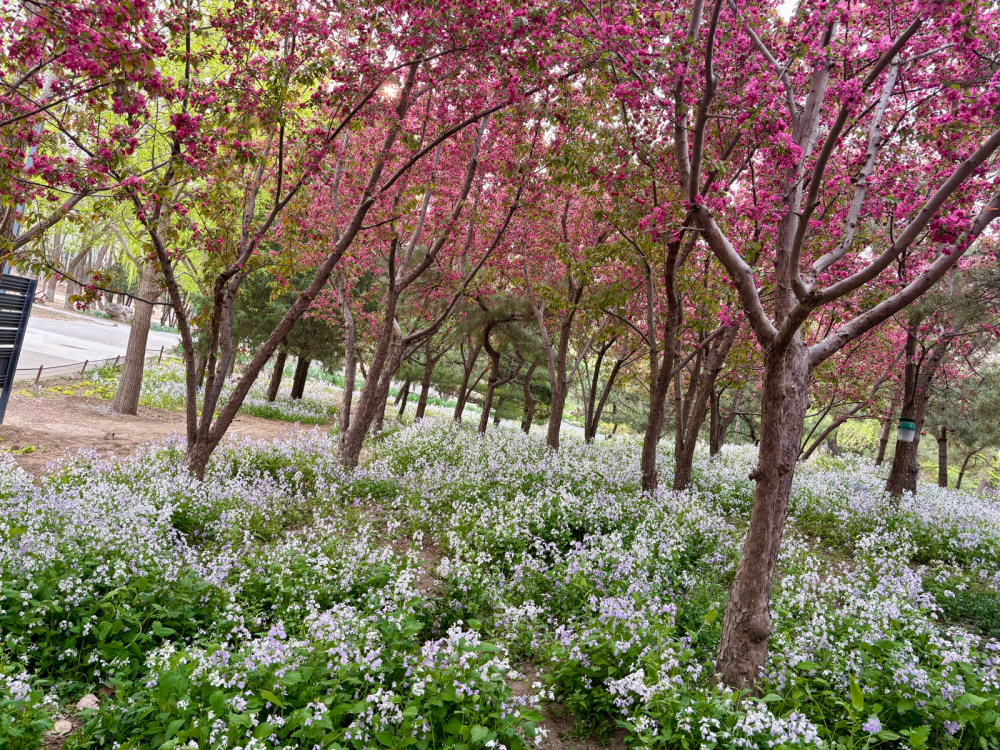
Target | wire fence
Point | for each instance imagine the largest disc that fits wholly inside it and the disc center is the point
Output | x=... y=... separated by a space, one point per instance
x=73 y=369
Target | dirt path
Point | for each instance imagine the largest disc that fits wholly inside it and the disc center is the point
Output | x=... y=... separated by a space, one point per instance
x=55 y=425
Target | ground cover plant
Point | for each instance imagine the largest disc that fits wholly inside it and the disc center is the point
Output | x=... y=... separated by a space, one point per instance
x=285 y=601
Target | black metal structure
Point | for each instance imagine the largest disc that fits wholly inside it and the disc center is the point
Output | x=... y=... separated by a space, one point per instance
x=16 y=295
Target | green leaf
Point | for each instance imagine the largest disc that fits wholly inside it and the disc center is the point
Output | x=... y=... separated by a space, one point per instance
x=710 y=616
x=384 y=737
x=970 y=699
x=904 y=706
x=174 y=728
x=807 y=665
x=269 y=696
x=264 y=730
x=291 y=678
x=160 y=631
x=885 y=734
x=918 y=737
x=474 y=625
x=479 y=733
x=411 y=710
x=857 y=697
x=770 y=698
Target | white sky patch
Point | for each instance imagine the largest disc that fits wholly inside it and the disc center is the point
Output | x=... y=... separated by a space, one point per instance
x=786 y=8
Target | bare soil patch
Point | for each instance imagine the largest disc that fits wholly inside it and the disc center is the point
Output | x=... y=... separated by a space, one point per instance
x=56 y=426
x=557 y=721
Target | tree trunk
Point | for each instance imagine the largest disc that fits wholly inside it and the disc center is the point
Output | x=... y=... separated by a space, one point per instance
x=714 y=424
x=463 y=390
x=350 y=361
x=965 y=464
x=494 y=379
x=983 y=483
x=529 y=401
x=699 y=402
x=425 y=383
x=883 y=440
x=278 y=372
x=126 y=400
x=942 y=441
x=746 y=624
x=555 y=416
x=299 y=380
x=496 y=411
x=403 y=398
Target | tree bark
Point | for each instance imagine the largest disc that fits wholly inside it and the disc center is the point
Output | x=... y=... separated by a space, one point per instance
x=350 y=361
x=883 y=440
x=299 y=380
x=494 y=381
x=425 y=383
x=965 y=464
x=468 y=365
x=276 y=375
x=746 y=624
x=942 y=441
x=702 y=395
x=126 y=400
x=496 y=411
x=403 y=398
x=714 y=424
x=917 y=377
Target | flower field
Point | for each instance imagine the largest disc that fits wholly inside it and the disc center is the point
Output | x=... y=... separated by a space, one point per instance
x=287 y=603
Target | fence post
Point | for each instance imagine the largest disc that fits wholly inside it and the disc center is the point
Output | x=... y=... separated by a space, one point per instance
x=116 y=360
x=160 y=358
x=85 y=363
x=39 y=375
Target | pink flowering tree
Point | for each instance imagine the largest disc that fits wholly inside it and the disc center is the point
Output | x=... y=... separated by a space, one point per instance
x=809 y=164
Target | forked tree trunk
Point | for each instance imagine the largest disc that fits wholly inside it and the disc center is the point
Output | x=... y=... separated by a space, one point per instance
x=746 y=624
x=279 y=370
x=942 y=441
x=701 y=401
x=299 y=380
x=883 y=440
x=126 y=400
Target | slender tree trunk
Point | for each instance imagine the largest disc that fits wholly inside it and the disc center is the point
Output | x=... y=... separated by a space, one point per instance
x=529 y=401
x=402 y=393
x=350 y=360
x=714 y=424
x=496 y=411
x=883 y=440
x=701 y=395
x=983 y=483
x=276 y=375
x=463 y=390
x=425 y=383
x=746 y=624
x=965 y=464
x=494 y=379
x=299 y=380
x=403 y=398
x=126 y=400
x=942 y=441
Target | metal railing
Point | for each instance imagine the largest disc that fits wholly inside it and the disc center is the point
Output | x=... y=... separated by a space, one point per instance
x=71 y=369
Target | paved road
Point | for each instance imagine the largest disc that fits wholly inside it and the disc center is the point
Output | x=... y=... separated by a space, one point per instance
x=52 y=342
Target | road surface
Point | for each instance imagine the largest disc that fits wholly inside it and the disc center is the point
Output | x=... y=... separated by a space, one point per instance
x=60 y=342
